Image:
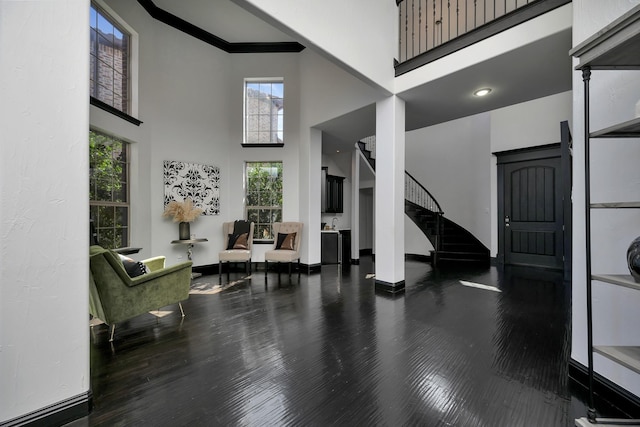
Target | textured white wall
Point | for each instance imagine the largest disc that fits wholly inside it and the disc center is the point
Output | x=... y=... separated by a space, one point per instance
x=183 y=104
x=415 y=242
x=530 y=123
x=44 y=349
x=615 y=176
x=191 y=105
x=310 y=203
x=359 y=35
x=326 y=92
x=451 y=161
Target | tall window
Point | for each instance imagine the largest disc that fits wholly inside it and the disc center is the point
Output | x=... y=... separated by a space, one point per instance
x=109 y=60
x=263 y=197
x=263 y=112
x=109 y=189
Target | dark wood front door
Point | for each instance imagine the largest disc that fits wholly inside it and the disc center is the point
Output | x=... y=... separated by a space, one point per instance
x=531 y=212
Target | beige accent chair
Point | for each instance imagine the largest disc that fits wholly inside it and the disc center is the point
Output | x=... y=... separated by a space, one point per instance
x=234 y=255
x=284 y=255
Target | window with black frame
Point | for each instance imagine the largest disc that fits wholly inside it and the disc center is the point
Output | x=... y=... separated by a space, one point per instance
x=263 y=197
x=109 y=189
x=109 y=60
x=263 y=112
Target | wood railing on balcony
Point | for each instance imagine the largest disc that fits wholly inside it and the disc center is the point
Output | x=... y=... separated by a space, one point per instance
x=429 y=25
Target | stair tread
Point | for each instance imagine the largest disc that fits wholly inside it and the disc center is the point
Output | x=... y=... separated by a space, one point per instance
x=459 y=260
x=460 y=253
x=456 y=243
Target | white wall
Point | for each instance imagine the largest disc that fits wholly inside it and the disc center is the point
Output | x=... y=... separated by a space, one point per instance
x=44 y=164
x=530 y=123
x=451 y=161
x=183 y=104
x=454 y=161
x=264 y=65
x=191 y=107
x=326 y=92
x=360 y=35
x=415 y=242
x=615 y=176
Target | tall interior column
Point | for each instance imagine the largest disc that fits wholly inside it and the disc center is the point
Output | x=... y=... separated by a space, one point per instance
x=355 y=207
x=310 y=203
x=389 y=194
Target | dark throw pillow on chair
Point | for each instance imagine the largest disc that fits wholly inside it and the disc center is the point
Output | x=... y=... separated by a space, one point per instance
x=286 y=241
x=133 y=268
x=242 y=241
x=238 y=241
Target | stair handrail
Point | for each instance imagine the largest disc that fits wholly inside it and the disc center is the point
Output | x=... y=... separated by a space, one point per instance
x=370 y=144
x=422 y=197
x=414 y=192
x=366 y=161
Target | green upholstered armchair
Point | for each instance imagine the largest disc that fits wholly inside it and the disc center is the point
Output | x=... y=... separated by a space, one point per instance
x=115 y=297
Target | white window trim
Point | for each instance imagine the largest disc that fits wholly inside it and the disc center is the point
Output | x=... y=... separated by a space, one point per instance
x=244 y=99
x=130 y=187
x=244 y=196
x=133 y=56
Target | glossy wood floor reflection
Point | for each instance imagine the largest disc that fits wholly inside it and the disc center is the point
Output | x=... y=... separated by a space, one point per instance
x=326 y=349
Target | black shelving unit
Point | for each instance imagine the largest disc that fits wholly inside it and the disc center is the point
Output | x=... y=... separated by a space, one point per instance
x=615 y=47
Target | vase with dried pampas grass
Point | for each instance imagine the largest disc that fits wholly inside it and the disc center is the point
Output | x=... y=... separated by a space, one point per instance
x=183 y=212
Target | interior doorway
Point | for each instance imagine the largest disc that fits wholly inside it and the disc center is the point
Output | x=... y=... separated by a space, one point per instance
x=366 y=221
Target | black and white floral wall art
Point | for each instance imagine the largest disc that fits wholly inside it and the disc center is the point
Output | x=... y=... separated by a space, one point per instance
x=200 y=183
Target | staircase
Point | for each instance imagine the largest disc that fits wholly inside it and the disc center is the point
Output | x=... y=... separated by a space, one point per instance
x=453 y=245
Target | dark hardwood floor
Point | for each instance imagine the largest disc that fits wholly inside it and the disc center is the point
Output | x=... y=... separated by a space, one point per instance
x=326 y=349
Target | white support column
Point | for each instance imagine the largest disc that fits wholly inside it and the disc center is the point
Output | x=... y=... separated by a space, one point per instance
x=355 y=206
x=310 y=200
x=389 y=194
x=44 y=211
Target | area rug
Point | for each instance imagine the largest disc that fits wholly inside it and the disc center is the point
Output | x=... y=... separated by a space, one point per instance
x=207 y=288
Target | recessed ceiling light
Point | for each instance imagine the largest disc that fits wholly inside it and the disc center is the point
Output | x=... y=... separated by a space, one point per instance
x=337 y=151
x=482 y=92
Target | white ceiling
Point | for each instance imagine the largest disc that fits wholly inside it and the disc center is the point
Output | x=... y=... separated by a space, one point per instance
x=539 y=69
x=224 y=19
x=536 y=70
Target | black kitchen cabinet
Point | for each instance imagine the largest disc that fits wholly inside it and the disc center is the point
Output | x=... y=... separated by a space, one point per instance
x=334 y=194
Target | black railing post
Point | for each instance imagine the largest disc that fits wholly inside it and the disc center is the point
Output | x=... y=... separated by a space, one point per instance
x=425 y=18
x=586 y=77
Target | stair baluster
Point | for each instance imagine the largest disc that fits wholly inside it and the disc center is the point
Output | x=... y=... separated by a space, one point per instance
x=451 y=242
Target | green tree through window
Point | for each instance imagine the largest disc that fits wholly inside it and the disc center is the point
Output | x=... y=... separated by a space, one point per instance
x=263 y=198
x=108 y=189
